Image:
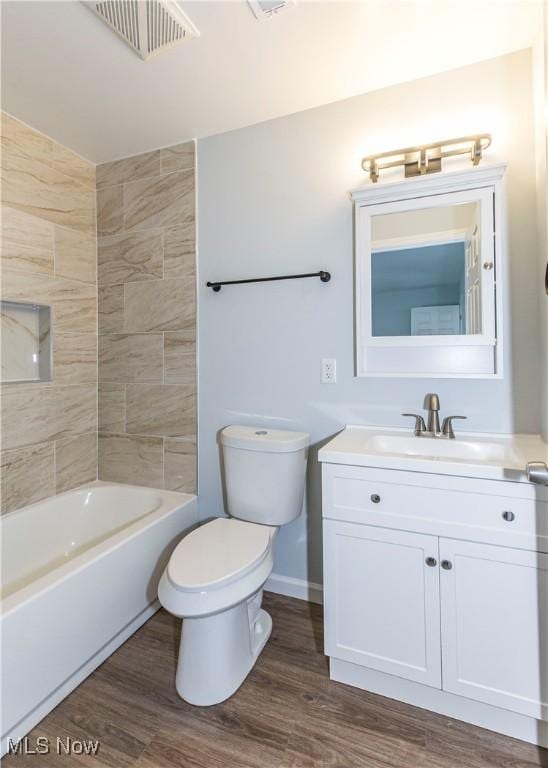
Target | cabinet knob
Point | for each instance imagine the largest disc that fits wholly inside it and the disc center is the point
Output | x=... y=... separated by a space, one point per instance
x=375 y=498
x=446 y=565
x=431 y=561
x=508 y=515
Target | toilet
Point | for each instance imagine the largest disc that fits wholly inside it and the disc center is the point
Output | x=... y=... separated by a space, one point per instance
x=215 y=576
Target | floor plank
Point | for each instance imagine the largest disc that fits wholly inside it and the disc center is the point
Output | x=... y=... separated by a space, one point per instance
x=287 y=714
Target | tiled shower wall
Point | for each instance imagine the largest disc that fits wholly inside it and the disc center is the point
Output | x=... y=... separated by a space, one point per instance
x=147 y=319
x=144 y=264
x=48 y=256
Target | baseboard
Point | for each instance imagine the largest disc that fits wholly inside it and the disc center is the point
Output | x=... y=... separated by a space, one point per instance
x=299 y=588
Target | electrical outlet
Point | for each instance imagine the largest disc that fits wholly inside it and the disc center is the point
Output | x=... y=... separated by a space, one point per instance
x=329 y=370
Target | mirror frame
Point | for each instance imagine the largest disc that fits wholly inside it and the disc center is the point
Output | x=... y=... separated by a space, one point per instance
x=443 y=356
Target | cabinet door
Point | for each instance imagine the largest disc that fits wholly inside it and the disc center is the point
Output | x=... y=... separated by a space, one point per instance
x=495 y=625
x=382 y=600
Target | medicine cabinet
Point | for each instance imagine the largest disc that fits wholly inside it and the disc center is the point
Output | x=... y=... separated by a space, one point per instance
x=429 y=276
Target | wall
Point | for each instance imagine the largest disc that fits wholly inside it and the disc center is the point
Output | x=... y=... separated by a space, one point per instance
x=414 y=277
x=147 y=319
x=273 y=199
x=49 y=430
x=540 y=77
x=392 y=309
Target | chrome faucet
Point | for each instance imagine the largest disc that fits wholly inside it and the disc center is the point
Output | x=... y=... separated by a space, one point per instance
x=432 y=428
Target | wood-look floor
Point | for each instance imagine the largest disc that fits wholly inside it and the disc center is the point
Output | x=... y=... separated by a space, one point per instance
x=287 y=714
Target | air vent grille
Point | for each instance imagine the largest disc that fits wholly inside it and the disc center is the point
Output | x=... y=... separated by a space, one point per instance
x=148 y=26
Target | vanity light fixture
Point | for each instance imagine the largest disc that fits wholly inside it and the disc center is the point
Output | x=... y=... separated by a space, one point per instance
x=418 y=161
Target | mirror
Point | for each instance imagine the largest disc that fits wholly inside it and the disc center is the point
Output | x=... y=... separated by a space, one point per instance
x=425 y=272
x=429 y=276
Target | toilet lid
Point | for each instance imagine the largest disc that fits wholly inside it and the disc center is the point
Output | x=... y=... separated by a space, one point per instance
x=218 y=552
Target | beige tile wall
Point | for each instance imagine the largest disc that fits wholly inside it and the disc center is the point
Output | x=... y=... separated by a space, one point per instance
x=112 y=250
x=147 y=319
x=48 y=256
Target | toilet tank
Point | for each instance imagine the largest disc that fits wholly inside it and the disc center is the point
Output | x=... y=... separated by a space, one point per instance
x=264 y=473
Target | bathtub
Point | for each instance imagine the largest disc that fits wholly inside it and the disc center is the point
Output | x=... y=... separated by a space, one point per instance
x=79 y=576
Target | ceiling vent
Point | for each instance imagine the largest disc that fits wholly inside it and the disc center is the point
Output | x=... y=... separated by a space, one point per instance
x=266 y=9
x=148 y=26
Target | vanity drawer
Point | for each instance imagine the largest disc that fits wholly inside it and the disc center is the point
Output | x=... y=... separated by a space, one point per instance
x=506 y=513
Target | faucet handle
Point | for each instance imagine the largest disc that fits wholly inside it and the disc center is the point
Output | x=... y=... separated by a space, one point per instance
x=420 y=426
x=447 y=426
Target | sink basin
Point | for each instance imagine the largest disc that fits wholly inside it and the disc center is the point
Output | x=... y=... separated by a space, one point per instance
x=486 y=456
x=440 y=448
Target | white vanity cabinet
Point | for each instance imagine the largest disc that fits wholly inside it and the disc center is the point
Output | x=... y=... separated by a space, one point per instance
x=383 y=603
x=494 y=625
x=436 y=593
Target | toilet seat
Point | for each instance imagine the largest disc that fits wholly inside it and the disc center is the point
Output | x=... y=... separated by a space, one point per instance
x=217 y=566
x=218 y=553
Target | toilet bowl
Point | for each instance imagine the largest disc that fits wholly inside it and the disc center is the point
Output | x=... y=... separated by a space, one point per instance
x=215 y=576
x=214 y=580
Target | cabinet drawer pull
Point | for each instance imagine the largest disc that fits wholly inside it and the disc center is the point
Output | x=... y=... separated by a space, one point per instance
x=431 y=561
x=446 y=565
x=508 y=515
x=375 y=498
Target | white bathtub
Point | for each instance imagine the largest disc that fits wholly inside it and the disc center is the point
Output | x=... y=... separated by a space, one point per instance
x=79 y=576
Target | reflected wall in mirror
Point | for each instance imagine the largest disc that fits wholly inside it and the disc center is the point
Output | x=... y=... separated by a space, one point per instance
x=425 y=272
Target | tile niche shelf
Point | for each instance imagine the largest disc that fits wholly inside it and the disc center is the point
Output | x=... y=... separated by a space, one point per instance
x=25 y=342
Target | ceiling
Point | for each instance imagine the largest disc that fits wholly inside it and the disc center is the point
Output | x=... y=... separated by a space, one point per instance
x=67 y=74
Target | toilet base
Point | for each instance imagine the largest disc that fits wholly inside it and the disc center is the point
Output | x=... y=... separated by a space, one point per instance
x=217 y=652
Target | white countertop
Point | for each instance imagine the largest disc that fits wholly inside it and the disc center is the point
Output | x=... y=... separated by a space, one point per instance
x=488 y=456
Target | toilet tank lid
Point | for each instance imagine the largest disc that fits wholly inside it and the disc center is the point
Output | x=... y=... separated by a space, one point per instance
x=264 y=439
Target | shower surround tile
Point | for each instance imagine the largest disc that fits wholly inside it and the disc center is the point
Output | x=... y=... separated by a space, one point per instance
x=147 y=319
x=75 y=461
x=136 y=357
x=166 y=201
x=110 y=211
x=38 y=189
x=128 y=169
x=130 y=257
x=180 y=251
x=131 y=459
x=27 y=475
x=180 y=358
x=178 y=158
x=166 y=410
x=74 y=303
x=112 y=407
x=75 y=358
x=54 y=204
x=110 y=308
x=27 y=242
x=75 y=255
x=180 y=465
x=48 y=256
x=42 y=413
x=159 y=305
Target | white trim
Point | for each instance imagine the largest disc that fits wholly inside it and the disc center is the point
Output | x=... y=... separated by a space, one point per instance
x=423 y=696
x=451 y=181
x=299 y=588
